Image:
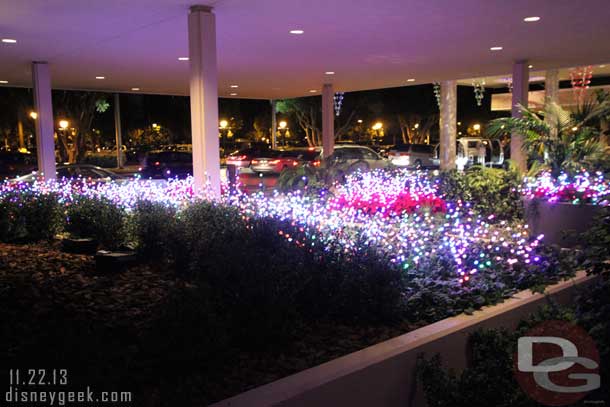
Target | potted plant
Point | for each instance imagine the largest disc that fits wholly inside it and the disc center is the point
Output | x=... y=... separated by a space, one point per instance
x=565 y=186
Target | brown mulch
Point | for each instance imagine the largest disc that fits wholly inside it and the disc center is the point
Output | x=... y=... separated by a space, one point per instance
x=71 y=279
x=132 y=299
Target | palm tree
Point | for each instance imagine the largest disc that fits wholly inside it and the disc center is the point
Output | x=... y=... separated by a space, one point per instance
x=557 y=140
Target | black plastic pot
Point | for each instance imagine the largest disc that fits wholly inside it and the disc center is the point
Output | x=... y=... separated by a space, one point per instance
x=113 y=262
x=79 y=246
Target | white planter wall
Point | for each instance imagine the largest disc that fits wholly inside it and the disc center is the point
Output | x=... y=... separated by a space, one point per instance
x=384 y=374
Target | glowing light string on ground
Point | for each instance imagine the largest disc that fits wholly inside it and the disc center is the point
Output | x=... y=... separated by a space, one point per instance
x=401 y=214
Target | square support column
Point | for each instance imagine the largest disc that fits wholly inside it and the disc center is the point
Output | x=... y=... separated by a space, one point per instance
x=204 y=99
x=328 y=119
x=448 y=124
x=117 y=131
x=45 y=130
x=520 y=97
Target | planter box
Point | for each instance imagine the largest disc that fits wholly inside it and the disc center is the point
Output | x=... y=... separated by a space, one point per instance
x=113 y=262
x=79 y=246
x=384 y=374
x=559 y=222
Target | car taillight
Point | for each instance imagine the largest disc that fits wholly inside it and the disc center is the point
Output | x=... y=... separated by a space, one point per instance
x=316 y=163
x=254 y=162
x=273 y=162
x=295 y=163
x=157 y=163
x=240 y=157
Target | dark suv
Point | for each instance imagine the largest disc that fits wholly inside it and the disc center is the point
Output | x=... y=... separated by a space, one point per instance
x=167 y=164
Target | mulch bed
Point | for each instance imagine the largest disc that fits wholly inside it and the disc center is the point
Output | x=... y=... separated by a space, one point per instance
x=39 y=281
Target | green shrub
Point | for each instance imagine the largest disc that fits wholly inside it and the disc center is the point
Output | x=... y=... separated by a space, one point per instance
x=488 y=379
x=97 y=218
x=490 y=191
x=200 y=231
x=29 y=217
x=595 y=255
x=151 y=226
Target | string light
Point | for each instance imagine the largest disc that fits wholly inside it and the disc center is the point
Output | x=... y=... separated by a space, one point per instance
x=401 y=214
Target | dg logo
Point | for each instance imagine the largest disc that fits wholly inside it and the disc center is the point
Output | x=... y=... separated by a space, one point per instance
x=557 y=363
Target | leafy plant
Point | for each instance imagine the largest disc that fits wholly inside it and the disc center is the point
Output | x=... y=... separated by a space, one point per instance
x=558 y=140
x=29 y=217
x=488 y=380
x=595 y=255
x=492 y=192
x=151 y=227
x=97 y=218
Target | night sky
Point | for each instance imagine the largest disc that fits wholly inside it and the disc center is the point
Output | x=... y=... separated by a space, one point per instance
x=173 y=112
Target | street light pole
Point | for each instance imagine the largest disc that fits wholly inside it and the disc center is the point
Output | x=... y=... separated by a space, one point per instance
x=117 y=131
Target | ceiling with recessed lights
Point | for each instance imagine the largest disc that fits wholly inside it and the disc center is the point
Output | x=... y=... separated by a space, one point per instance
x=366 y=44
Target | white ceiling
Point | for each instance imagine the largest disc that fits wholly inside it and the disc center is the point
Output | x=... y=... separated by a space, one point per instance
x=368 y=43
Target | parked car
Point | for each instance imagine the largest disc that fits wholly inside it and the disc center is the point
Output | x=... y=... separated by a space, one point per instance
x=13 y=163
x=167 y=164
x=76 y=171
x=352 y=157
x=476 y=151
x=413 y=155
x=242 y=158
x=274 y=161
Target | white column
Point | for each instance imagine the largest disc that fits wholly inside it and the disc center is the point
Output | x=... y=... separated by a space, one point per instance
x=117 y=131
x=448 y=124
x=328 y=119
x=273 y=124
x=520 y=97
x=204 y=98
x=45 y=143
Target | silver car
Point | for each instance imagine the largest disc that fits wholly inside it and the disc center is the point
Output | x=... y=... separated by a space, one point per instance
x=413 y=155
x=351 y=158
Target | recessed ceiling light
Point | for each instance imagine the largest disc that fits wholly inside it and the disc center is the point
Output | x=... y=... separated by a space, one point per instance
x=235 y=86
x=530 y=66
x=313 y=90
x=135 y=89
x=8 y=40
x=411 y=80
x=297 y=32
x=233 y=94
x=496 y=48
x=329 y=72
x=4 y=82
x=531 y=19
x=100 y=77
x=183 y=58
